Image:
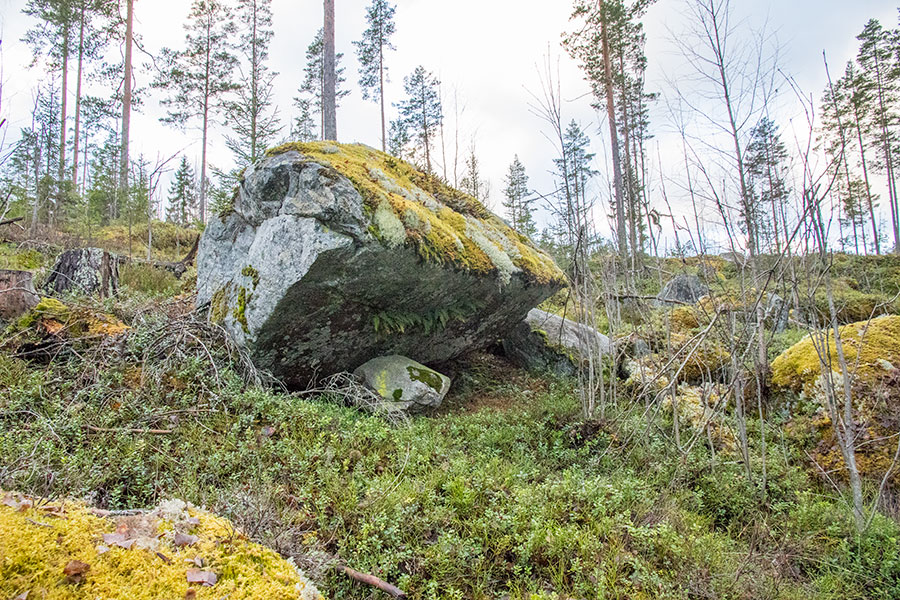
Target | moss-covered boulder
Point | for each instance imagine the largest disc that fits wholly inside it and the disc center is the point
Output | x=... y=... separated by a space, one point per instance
x=872 y=349
x=403 y=384
x=332 y=255
x=544 y=341
x=67 y=551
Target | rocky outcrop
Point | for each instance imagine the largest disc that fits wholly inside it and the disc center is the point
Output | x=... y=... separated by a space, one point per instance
x=683 y=289
x=403 y=384
x=544 y=341
x=332 y=255
x=86 y=271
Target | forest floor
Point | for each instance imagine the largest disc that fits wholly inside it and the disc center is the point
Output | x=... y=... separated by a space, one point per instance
x=506 y=492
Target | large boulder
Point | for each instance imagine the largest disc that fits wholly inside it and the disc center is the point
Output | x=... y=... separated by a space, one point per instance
x=403 y=384
x=332 y=255
x=544 y=341
x=682 y=289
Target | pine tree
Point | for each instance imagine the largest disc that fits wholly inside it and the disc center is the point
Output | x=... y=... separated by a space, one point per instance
x=201 y=75
x=303 y=128
x=518 y=203
x=766 y=160
x=329 y=76
x=877 y=60
x=182 y=195
x=370 y=50
x=253 y=120
x=420 y=112
x=859 y=96
x=610 y=48
x=399 y=139
x=313 y=85
x=53 y=35
x=574 y=172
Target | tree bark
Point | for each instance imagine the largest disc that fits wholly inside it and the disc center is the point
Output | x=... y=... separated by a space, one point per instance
x=613 y=134
x=17 y=294
x=329 y=100
x=75 y=139
x=62 y=120
x=126 y=99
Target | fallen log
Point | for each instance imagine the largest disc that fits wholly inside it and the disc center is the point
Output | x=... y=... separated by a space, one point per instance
x=11 y=221
x=382 y=585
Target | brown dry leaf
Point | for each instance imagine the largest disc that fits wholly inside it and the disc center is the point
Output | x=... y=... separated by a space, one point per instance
x=164 y=558
x=76 y=571
x=190 y=594
x=52 y=326
x=183 y=539
x=193 y=521
x=118 y=539
x=207 y=578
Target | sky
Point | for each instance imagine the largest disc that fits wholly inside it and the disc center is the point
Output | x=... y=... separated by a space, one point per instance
x=487 y=54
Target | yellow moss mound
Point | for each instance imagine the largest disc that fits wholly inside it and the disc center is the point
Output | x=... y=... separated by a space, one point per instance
x=443 y=224
x=64 y=550
x=869 y=346
x=52 y=317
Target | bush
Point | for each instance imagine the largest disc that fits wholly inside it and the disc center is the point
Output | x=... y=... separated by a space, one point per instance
x=148 y=280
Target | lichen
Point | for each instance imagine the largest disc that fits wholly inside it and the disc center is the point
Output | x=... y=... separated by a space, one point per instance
x=444 y=225
x=38 y=539
x=425 y=375
x=51 y=316
x=866 y=345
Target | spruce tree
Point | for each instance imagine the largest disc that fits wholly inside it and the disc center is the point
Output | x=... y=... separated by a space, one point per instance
x=472 y=182
x=518 y=203
x=370 y=50
x=200 y=75
x=251 y=115
x=420 y=113
x=182 y=195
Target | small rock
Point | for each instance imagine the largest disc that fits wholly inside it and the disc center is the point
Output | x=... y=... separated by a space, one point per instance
x=403 y=384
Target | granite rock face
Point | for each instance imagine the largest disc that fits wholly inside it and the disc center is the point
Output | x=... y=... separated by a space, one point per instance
x=333 y=255
x=682 y=289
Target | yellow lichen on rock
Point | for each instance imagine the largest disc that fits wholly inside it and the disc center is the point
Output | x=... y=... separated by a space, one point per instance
x=139 y=558
x=869 y=347
x=445 y=226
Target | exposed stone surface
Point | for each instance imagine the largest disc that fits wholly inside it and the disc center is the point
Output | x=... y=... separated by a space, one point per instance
x=405 y=385
x=683 y=289
x=334 y=255
x=85 y=270
x=546 y=341
x=17 y=294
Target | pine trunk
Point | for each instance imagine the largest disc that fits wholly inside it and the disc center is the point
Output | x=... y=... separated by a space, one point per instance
x=126 y=100
x=75 y=139
x=329 y=100
x=613 y=134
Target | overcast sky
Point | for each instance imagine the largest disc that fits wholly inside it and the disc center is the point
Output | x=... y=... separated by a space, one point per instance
x=485 y=52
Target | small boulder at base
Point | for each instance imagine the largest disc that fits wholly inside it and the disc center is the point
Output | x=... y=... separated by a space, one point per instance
x=544 y=341
x=405 y=385
x=683 y=289
x=333 y=254
x=86 y=271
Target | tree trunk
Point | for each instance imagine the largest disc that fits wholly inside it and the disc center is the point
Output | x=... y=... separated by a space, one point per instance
x=75 y=139
x=381 y=93
x=126 y=100
x=613 y=135
x=85 y=270
x=17 y=294
x=329 y=100
x=64 y=93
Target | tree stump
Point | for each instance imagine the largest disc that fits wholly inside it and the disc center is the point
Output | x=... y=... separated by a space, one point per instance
x=17 y=294
x=86 y=270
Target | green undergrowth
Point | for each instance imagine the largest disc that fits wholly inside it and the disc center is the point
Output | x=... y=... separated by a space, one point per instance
x=506 y=492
